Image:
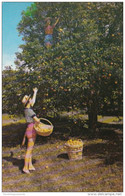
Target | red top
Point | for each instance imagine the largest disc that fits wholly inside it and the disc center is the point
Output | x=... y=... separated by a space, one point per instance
x=49 y=30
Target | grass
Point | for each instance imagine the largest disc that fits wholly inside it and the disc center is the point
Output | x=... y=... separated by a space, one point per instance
x=110 y=119
x=76 y=115
x=12 y=119
x=100 y=170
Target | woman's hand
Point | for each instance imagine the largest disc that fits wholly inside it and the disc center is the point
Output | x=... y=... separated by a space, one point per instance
x=23 y=142
x=35 y=90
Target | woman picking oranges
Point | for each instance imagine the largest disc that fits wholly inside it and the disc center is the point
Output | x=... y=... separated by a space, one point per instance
x=30 y=133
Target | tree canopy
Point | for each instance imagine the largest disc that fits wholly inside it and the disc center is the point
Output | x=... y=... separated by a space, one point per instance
x=83 y=69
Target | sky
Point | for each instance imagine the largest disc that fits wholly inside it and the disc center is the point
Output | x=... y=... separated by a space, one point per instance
x=11 y=16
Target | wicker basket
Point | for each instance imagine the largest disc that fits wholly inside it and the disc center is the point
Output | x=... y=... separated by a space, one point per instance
x=75 y=150
x=43 y=129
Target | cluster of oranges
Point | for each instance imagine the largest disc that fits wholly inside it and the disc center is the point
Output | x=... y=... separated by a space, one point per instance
x=42 y=128
x=75 y=142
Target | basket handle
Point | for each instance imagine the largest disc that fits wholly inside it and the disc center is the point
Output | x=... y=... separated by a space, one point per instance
x=46 y=120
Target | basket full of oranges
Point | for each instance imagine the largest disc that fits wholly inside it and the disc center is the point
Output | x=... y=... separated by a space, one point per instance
x=74 y=149
x=43 y=129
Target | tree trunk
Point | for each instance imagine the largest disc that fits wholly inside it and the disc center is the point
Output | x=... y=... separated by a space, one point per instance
x=92 y=115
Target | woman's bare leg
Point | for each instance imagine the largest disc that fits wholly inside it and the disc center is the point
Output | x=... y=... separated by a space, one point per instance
x=28 y=157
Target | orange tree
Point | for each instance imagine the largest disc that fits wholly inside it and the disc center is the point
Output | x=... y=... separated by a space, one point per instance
x=83 y=69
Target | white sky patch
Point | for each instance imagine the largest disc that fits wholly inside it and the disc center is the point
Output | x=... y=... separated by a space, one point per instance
x=8 y=60
x=19 y=49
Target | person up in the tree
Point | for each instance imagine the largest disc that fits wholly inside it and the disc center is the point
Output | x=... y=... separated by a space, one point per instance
x=49 y=32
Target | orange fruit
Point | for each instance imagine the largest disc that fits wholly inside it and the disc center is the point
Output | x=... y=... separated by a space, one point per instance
x=60 y=30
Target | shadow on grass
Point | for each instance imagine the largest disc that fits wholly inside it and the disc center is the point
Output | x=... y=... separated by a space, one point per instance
x=16 y=162
x=109 y=152
x=110 y=149
x=12 y=134
x=63 y=156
